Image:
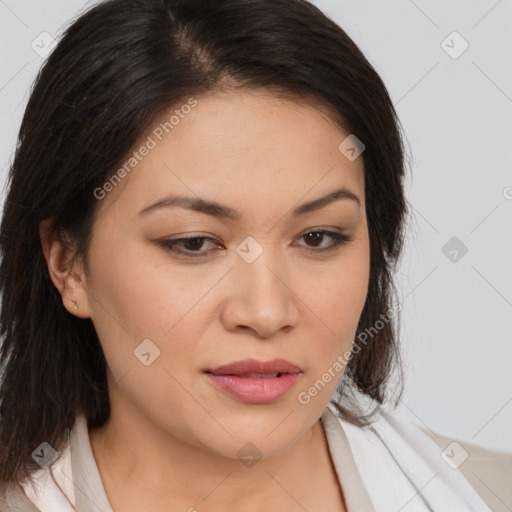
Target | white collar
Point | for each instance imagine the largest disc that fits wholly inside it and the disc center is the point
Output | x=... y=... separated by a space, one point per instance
x=402 y=468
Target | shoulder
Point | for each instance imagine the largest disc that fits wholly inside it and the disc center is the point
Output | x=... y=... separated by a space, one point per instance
x=489 y=472
x=3 y=493
x=13 y=499
x=395 y=456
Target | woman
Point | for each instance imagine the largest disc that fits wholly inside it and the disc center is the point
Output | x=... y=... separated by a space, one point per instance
x=204 y=212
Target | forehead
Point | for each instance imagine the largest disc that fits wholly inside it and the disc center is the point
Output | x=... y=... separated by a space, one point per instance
x=245 y=148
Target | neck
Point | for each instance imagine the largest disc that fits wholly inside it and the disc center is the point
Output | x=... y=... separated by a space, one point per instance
x=144 y=467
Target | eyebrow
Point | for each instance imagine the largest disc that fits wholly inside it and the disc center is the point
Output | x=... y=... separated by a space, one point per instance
x=225 y=212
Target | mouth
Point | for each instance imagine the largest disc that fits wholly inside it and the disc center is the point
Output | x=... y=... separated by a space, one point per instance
x=255 y=382
x=255 y=375
x=256 y=368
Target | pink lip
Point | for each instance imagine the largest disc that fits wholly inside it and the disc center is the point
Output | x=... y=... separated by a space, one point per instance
x=255 y=366
x=255 y=390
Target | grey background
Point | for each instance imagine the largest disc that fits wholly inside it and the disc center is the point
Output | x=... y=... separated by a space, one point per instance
x=456 y=330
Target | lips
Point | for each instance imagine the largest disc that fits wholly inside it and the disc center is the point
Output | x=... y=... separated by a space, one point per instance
x=255 y=382
x=256 y=369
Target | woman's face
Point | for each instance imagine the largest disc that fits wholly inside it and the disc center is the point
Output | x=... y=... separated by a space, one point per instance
x=254 y=286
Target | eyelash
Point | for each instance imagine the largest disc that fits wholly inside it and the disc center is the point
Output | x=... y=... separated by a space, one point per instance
x=339 y=240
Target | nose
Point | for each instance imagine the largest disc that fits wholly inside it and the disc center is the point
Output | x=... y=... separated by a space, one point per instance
x=261 y=297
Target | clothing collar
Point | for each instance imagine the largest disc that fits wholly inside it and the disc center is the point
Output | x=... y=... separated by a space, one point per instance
x=89 y=490
x=388 y=465
x=74 y=482
x=89 y=482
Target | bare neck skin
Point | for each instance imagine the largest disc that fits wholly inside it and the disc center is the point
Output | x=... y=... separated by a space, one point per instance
x=176 y=476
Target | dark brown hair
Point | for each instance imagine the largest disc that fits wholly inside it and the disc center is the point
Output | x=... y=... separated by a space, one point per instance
x=115 y=70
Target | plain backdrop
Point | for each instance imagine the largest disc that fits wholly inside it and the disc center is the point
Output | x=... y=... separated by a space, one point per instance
x=447 y=67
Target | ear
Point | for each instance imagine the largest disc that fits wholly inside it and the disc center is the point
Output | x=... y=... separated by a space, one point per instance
x=68 y=279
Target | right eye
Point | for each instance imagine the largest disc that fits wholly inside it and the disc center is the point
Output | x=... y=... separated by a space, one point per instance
x=191 y=244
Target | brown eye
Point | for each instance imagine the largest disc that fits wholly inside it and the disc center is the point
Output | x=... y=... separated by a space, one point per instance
x=192 y=245
x=317 y=237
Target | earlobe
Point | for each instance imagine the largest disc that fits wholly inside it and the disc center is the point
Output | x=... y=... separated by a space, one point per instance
x=58 y=255
x=75 y=308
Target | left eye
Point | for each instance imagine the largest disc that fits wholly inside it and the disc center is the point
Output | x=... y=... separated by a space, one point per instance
x=193 y=244
x=339 y=239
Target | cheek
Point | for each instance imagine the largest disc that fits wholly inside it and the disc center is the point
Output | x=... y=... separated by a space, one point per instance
x=130 y=288
x=337 y=294
x=337 y=307
x=143 y=320
x=143 y=297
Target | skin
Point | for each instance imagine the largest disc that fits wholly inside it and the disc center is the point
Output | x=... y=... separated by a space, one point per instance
x=172 y=439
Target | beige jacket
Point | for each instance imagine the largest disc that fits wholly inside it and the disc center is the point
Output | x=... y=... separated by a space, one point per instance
x=489 y=472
